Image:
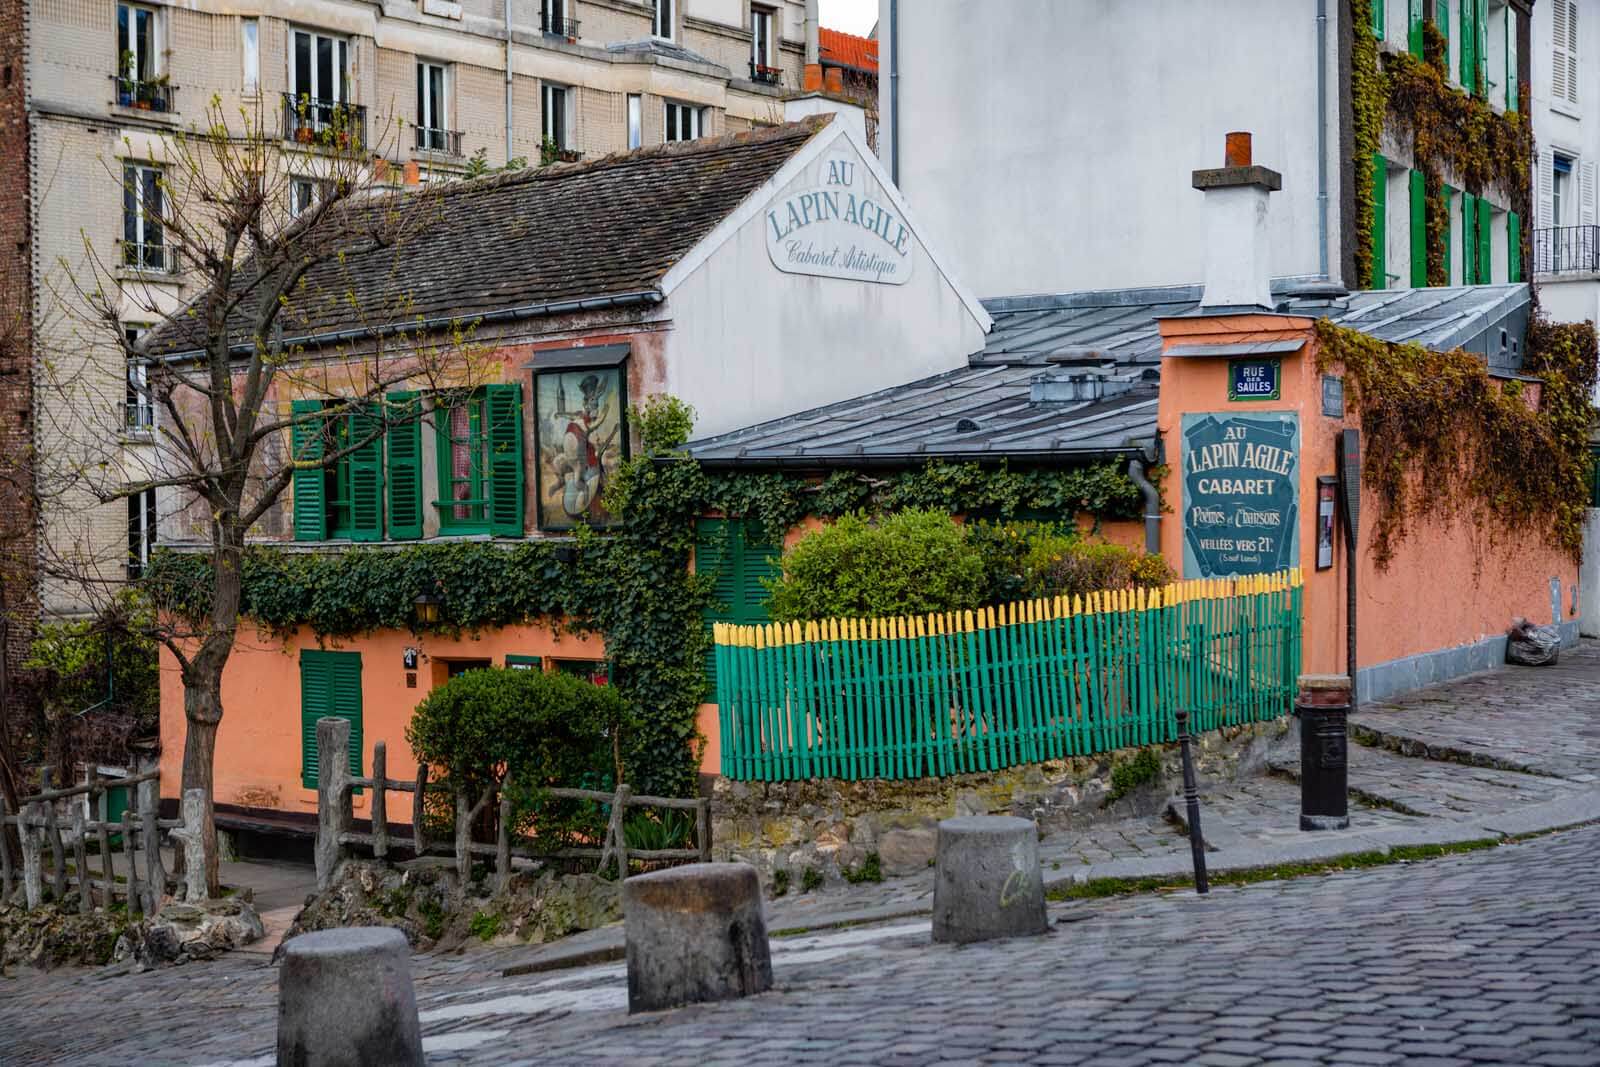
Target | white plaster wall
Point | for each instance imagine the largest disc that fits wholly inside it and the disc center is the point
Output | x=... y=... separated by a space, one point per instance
x=1573 y=130
x=1050 y=142
x=750 y=342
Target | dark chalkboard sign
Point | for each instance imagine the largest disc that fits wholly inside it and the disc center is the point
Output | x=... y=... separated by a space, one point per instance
x=1241 y=493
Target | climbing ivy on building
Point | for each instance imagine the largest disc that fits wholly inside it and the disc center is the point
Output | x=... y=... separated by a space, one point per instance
x=1443 y=439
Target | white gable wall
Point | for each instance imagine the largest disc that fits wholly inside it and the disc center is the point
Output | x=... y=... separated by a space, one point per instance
x=750 y=342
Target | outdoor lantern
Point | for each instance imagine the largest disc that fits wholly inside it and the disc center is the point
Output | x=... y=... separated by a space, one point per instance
x=427 y=606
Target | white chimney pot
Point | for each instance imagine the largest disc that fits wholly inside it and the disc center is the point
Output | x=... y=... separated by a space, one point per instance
x=1238 y=271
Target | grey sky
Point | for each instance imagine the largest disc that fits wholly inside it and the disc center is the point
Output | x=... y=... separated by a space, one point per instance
x=851 y=16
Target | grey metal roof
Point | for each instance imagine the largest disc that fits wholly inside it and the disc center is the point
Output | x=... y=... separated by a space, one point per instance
x=1004 y=402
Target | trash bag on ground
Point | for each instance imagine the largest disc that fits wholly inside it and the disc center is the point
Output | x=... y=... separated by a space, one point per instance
x=1532 y=646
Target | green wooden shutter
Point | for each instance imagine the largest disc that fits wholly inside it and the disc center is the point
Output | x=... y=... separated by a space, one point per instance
x=1469 y=45
x=1449 y=229
x=330 y=685
x=1414 y=28
x=503 y=413
x=763 y=561
x=715 y=554
x=1377 y=18
x=1419 y=230
x=1513 y=81
x=1380 y=222
x=365 y=475
x=310 y=481
x=1441 y=19
x=1469 y=244
x=404 y=445
x=1513 y=247
x=1485 y=248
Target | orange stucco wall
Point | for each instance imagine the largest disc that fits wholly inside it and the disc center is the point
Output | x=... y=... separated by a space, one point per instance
x=258 y=743
x=1446 y=585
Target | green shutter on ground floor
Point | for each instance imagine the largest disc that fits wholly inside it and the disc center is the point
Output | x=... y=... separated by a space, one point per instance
x=740 y=560
x=330 y=686
x=1419 y=230
x=1380 y=223
x=1513 y=247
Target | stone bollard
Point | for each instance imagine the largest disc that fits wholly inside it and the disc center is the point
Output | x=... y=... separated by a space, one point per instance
x=695 y=933
x=987 y=882
x=345 y=998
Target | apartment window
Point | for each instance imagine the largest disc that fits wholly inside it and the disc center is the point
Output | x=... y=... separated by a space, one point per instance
x=139 y=411
x=432 y=116
x=1564 y=58
x=762 y=54
x=138 y=47
x=635 y=120
x=319 y=67
x=661 y=24
x=480 y=461
x=141 y=531
x=684 y=122
x=557 y=20
x=143 y=208
x=250 y=42
x=1561 y=190
x=305 y=192
x=553 y=102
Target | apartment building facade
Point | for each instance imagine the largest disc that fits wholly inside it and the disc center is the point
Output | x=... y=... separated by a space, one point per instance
x=433 y=88
x=1062 y=169
x=1566 y=127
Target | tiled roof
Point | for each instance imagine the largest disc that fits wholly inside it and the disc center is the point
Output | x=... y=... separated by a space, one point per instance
x=847 y=50
x=1013 y=399
x=533 y=241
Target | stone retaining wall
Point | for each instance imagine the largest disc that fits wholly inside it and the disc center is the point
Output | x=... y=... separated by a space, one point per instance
x=833 y=826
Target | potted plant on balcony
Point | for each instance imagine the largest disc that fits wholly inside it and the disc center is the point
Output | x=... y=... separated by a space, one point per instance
x=155 y=91
x=125 y=83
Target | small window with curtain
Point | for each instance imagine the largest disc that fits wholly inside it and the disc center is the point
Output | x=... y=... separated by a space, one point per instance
x=250 y=44
x=433 y=132
x=553 y=107
x=763 y=46
x=141 y=531
x=144 y=243
x=479 y=437
x=141 y=82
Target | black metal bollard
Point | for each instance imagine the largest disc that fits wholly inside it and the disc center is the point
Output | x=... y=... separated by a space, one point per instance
x=1324 y=710
x=1191 y=799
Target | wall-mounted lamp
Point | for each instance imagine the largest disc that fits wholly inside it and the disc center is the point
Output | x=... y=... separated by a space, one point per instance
x=427 y=606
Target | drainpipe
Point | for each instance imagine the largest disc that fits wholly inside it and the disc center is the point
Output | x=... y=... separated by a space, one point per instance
x=508 y=80
x=1322 y=137
x=813 y=36
x=894 y=91
x=1152 y=504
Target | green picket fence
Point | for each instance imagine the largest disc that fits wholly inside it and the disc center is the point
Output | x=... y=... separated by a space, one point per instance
x=981 y=690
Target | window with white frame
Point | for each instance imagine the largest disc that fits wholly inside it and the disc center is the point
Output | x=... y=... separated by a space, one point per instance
x=319 y=73
x=144 y=239
x=138 y=43
x=141 y=531
x=432 y=115
x=139 y=411
x=763 y=55
x=250 y=43
x=557 y=20
x=305 y=192
x=1564 y=55
x=1562 y=204
x=684 y=122
x=553 y=103
x=635 y=120
x=661 y=23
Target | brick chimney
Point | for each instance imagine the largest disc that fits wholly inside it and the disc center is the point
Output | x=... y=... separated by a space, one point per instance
x=1237 y=273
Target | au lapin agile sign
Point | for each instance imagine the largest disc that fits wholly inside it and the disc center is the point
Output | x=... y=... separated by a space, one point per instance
x=1241 y=491
x=844 y=228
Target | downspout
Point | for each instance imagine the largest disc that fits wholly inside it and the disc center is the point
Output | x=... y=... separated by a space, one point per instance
x=813 y=33
x=1322 y=137
x=894 y=91
x=1152 y=504
x=508 y=80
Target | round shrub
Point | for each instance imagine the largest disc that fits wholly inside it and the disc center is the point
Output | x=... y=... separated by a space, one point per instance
x=1082 y=568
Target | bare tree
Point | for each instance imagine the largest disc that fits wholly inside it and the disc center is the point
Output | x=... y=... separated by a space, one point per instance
x=271 y=256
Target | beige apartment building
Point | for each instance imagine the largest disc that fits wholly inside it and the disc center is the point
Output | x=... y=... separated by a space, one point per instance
x=427 y=84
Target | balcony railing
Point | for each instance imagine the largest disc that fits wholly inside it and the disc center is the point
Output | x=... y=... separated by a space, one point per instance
x=447 y=142
x=1566 y=250
x=555 y=24
x=138 y=418
x=766 y=75
x=153 y=256
x=324 y=123
x=153 y=95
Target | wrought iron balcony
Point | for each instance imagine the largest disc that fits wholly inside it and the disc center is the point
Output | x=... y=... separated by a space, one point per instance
x=447 y=142
x=766 y=75
x=1566 y=250
x=152 y=256
x=154 y=94
x=324 y=123
x=556 y=24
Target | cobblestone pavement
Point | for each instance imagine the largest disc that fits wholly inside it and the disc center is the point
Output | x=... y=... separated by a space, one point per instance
x=1487 y=957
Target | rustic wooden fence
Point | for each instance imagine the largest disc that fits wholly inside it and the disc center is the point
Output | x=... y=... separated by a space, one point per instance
x=336 y=831
x=937 y=695
x=48 y=834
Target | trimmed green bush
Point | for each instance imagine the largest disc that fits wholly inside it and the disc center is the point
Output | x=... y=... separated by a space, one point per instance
x=1053 y=569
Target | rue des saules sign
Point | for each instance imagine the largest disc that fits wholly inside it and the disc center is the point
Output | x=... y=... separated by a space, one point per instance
x=844 y=228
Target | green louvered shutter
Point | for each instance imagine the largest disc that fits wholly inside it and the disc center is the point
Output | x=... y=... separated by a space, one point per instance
x=404 y=445
x=1377 y=18
x=1419 y=230
x=502 y=406
x=1480 y=47
x=1448 y=194
x=1469 y=245
x=1469 y=45
x=1485 y=230
x=1513 y=247
x=365 y=475
x=715 y=554
x=763 y=561
x=1441 y=19
x=1380 y=222
x=1414 y=28
x=1513 y=81
x=310 y=481
x=330 y=685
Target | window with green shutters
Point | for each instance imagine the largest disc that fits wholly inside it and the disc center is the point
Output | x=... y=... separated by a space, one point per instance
x=1419 y=230
x=1469 y=45
x=1414 y=36
x=1513 y=247
x=1441 y=19
x=354 y=484
x=1380 y=223
x=403 y=448
x=330 y=686
x=1513 y=74
x=730 y=549
x=307 y=440
x=1483 y=231
x=1469 y=239
x=480 y=461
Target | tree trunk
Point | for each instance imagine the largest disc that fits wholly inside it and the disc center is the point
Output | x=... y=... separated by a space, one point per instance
x=202 y=684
